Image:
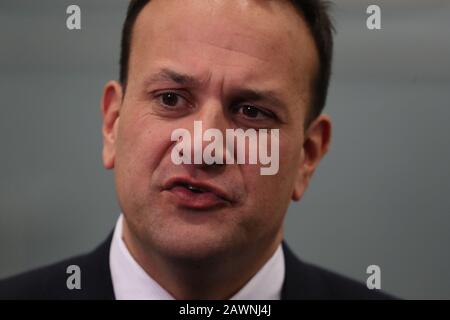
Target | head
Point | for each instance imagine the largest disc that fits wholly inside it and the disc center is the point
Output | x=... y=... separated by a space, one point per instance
x=187 y=60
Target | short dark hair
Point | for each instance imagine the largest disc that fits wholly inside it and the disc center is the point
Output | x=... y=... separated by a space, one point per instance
x=315 y=13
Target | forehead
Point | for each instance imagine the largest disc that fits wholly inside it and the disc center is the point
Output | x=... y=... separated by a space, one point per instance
x=258 y=38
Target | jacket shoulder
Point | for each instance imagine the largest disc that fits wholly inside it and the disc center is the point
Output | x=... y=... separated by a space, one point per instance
x=47 y=282
x=307 y=281
x=50 y=282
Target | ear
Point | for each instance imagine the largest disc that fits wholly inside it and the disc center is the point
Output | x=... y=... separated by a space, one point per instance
x=110 y=108
x=315 y=146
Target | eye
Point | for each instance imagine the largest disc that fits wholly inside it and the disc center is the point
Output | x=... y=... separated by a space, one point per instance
x=254 y=113
x=171 y=100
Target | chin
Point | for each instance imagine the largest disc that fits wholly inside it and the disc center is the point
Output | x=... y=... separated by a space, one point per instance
x=195 y=244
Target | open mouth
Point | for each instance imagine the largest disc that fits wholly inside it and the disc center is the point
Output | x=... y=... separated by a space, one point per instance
x=192 y=188
x=196 y=194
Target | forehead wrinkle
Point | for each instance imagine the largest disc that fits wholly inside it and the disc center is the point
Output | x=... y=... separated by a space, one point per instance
x=166 y=74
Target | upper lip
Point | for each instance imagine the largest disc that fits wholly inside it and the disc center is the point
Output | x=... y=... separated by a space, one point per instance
x=204 y=186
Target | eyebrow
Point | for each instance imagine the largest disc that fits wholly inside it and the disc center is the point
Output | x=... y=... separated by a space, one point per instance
x=169 y=75
x=241 y=94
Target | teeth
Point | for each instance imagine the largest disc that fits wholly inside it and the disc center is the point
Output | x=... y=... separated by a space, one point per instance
x=193 y=189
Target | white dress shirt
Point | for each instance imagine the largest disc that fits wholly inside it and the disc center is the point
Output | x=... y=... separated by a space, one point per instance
x=131 y=282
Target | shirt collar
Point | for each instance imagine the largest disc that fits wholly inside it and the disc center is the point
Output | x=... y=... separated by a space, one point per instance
x=131 y=282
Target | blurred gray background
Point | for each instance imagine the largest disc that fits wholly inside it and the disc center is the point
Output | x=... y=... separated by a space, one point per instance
x=379 y=197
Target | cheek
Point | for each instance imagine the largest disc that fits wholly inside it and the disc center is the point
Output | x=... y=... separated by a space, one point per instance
x=265 y=205
x=279 y=185
x=142 y=144
x=289 y=167
x=267 y=194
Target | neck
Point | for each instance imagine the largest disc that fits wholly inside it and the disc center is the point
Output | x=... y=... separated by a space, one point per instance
x=209 y=278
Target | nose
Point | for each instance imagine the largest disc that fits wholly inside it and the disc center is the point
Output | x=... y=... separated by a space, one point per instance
x=208 y=145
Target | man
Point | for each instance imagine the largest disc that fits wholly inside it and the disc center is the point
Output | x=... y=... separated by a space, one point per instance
x=208 y=231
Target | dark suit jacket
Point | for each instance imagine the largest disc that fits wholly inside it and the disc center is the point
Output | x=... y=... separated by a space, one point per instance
x=302 y=280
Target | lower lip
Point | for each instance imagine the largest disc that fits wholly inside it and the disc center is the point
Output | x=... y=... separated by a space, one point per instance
x=193 y=200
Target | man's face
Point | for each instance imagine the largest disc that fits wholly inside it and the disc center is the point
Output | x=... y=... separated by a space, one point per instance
x=227 y=47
